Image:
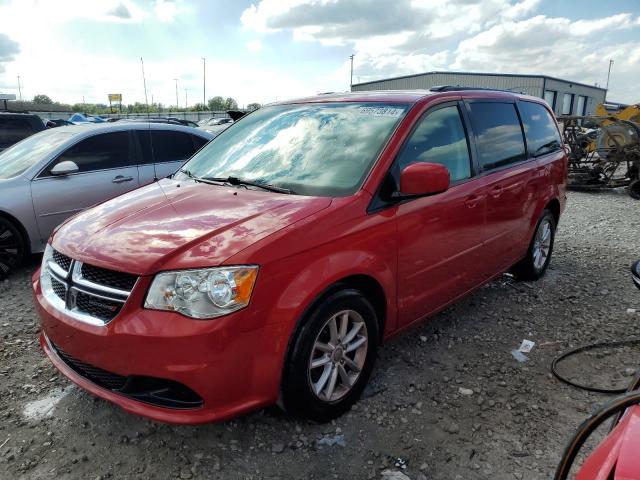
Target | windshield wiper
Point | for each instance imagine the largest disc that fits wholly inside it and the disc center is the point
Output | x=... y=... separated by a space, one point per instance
x=240 y=181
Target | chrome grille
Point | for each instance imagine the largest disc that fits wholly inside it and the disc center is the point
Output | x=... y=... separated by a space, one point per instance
x=87 y=293
x=62 y=260
x=58 y=288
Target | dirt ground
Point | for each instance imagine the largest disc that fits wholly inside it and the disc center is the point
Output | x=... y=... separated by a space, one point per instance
x=447 y=400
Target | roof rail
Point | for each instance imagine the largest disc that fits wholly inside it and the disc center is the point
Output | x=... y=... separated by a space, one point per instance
x=457 y=88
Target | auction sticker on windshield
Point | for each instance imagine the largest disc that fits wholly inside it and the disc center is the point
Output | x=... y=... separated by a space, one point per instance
x=381 y=111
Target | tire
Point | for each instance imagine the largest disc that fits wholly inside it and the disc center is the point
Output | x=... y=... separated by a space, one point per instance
x=531 y=267
x=634 y=189
x=303 y=392
x=12 y=249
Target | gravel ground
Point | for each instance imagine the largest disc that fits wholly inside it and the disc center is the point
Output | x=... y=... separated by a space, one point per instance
x=446 y=401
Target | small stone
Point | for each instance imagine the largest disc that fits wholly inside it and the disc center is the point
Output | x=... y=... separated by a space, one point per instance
x=423 y=339
x=631 y=311
x=277 y=448
x=452 y=428
x=467 y=392
x=629 y=372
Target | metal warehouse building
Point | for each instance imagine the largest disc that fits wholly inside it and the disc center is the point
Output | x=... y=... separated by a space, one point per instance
x=564 y=96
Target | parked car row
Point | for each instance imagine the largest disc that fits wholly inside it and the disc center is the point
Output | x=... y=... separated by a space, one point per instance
x=49 y=176
x=273 y=263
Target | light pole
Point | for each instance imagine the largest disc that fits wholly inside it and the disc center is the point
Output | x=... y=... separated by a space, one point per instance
x=186 y=98
x=351 y=80
x=204 y=81
x=177 y=103
x=608 y=75
x=19 y=88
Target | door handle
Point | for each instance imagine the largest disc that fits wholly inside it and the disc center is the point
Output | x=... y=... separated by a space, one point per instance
x=121 y=179
x=472 y=201
x=497 y=191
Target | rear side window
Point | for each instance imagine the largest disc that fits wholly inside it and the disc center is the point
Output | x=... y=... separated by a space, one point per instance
x=12 y=130
x=171 y=146
x=439 y=138
x=100 y=152
x=540 y=129
x=498 y=134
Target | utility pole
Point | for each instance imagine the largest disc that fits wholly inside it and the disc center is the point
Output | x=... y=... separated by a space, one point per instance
x=608 y=75
x=204 y=81
x=177 y=103
x=351 y=80
x=186 y=98
x=144 y=83
x=19 y=88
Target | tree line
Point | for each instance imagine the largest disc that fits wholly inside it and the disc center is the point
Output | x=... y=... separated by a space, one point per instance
x=216 y=103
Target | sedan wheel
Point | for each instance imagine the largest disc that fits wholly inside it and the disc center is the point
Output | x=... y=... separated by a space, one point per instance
x=11 y=247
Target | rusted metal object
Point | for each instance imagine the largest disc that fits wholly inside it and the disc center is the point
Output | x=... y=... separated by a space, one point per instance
x=604 y=153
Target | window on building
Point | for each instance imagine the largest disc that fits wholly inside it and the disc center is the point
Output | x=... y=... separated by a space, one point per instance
x=539 y=128
x=550 y=98
x=581 y=107
x=567 y=103
x=439 y=138
x=499 y=137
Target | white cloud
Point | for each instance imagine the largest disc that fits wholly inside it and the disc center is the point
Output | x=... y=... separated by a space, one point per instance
x=166 y=10
x=254 y=46
x=412 y=36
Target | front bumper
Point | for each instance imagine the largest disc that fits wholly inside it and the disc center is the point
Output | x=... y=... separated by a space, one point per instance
x=230 y=368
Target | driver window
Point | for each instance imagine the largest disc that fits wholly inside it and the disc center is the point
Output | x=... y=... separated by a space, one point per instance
x=440 y=138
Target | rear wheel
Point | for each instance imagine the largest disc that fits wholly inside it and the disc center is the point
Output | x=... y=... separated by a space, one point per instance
x=331 y=357
x=11 y=247
x=535 y=264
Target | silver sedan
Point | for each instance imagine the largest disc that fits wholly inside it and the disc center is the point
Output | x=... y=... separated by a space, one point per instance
x=53 y=174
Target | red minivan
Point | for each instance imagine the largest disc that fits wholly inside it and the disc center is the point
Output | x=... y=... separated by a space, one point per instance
x=273 y=264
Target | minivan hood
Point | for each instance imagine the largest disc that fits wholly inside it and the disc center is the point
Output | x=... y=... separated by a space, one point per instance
x=178 y=224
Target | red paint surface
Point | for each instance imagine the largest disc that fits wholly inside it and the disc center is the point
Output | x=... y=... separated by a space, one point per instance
x=423 y=253
x=620 y=450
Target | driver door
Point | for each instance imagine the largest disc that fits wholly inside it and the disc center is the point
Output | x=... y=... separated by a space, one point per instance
x=105 y=170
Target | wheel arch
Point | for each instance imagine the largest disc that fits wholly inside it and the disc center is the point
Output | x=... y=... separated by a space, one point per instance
x=553 y=206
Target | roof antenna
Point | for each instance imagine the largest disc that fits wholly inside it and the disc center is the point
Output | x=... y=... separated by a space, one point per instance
x=146 y=101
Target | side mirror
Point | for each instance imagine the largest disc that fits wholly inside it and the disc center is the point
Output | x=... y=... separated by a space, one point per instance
x=635 y=271
x=423 y=179
x=64 y=168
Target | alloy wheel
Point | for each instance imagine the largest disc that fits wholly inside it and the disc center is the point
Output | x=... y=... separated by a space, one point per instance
x=9 y=249
x=542 y=244
x=338 y=355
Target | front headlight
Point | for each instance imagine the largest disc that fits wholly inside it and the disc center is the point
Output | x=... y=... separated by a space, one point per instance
x=203 y=293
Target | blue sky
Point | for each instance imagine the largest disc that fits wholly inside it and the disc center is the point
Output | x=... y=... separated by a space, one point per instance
x=263 y=50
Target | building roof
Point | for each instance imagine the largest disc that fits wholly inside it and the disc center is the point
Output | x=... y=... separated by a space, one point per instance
x=517 y=75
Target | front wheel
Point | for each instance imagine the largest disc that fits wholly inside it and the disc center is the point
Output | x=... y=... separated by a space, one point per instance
x=11 y=247
x=535 y=263
x=331 y=357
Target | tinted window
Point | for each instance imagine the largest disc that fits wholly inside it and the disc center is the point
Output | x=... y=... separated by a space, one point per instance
x=171 y=146
x=439 y=138
x=13 y=130
x=199 y=142
x=100 y=152
x=498 y=134
x=539 y=128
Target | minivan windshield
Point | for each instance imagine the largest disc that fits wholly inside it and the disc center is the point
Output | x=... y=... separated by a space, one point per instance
x=321 y=149
x=19 y=157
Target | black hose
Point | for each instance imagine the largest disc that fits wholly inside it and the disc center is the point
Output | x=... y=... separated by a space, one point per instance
x=616 y=406
x=585 y=348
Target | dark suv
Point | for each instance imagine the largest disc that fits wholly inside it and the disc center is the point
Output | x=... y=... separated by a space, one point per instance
x=17 y=126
